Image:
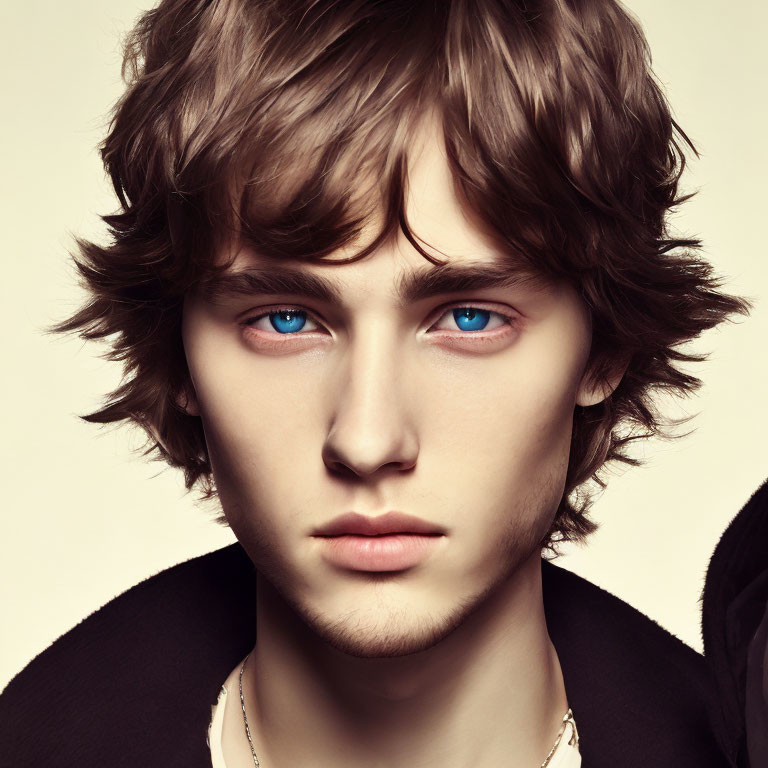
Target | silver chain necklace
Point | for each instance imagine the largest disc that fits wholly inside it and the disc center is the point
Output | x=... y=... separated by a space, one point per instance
x=568 y=718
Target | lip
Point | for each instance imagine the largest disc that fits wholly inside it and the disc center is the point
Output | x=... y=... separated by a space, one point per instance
x=386 y=543
x=355 y=524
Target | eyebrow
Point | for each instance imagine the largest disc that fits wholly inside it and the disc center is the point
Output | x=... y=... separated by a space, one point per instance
x=411 y=286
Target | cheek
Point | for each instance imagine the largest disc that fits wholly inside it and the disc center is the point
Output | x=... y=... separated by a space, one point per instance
x=541 y=414
x=507 y=464
x=541 y=389
x=251 y=439
x=241 y=394
x=259 y=422
x=501 y=434
x=515 y=414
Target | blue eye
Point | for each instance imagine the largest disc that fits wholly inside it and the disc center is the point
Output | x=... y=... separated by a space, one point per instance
x=288 y=320
x=471 y=318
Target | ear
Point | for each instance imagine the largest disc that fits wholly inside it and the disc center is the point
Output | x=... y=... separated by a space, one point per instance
x=600 y=381
x=186 y=399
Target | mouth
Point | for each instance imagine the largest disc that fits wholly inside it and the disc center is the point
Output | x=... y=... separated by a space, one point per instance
x=390 y=542
x=354 y=524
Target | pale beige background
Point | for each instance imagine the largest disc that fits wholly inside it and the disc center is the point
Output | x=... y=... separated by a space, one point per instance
x=83 y=518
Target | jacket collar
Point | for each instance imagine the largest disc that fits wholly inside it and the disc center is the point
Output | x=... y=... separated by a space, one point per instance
x=136 y=680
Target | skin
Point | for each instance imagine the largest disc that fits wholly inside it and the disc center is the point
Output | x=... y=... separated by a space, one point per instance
x=374 y=407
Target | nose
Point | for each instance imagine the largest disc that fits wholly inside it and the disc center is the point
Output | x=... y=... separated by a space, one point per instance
x=371 y=428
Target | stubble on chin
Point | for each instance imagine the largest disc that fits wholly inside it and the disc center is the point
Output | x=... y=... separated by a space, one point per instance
x=391 y=633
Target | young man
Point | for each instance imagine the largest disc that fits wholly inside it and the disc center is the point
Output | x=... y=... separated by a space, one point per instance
x=392 y=280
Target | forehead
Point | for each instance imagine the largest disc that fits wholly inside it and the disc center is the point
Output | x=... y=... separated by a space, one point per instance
x=445 y=228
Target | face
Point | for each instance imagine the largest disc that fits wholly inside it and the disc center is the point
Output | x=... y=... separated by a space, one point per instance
x=455 y=409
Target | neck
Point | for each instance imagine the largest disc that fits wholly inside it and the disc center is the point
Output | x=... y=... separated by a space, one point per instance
x=491 y=693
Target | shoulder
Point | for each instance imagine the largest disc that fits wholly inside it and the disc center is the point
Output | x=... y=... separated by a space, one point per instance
x=122 y=687
x=636 y=690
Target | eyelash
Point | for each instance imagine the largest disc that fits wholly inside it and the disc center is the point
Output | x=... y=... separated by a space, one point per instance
x=481 y=335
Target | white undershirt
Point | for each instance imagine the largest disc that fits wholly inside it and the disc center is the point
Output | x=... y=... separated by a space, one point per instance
x=565 y=756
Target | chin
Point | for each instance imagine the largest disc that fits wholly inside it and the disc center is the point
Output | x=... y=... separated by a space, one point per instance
x=390 y=630
x=372 y=636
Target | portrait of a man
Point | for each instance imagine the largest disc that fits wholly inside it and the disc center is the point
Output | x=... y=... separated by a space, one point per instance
x=392 y=285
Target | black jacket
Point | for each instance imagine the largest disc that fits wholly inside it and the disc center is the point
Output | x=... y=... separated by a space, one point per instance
x=133 y=684
x=735 y=630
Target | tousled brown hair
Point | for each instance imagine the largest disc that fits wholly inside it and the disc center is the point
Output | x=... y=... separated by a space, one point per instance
x=257 y=120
